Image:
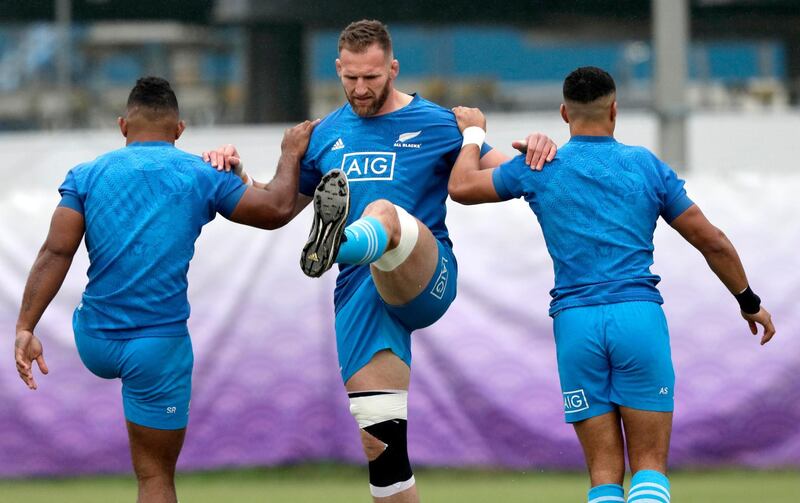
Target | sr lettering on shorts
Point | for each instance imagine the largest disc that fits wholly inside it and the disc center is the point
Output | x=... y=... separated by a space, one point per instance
x=440 y=284
x=575 y=401
x=368 y=166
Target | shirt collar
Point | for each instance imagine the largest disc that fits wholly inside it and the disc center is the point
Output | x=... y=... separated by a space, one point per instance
x=592 y=139
x=151 y=144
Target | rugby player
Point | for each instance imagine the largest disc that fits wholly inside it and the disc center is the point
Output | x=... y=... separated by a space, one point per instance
x=598 y=203
x=380 y=165
x=142 y=208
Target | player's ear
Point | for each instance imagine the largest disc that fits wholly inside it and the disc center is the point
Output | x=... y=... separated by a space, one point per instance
x=394 y=69
x=339 y=67
x=564 y=113
x=180 y=128
x=613 y=116
x=123 y=126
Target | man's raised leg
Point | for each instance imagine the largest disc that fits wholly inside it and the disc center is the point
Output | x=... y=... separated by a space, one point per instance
x=410 y=257
x=401 y=250
x=154 y=454
x=603 y=448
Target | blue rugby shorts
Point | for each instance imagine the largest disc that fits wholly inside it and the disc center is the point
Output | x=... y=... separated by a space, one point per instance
x=613 y=355
x=156 y=374
x=365 y=324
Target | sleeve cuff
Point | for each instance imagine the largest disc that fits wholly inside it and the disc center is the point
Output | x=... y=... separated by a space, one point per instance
x=677 y=207
x=500 y=186
x=485 y=149
x=72 y=202
x=230 y=202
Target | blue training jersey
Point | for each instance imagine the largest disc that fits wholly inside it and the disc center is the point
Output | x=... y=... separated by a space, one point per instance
x=598 y=203
x=404 y=156
x=144 y=206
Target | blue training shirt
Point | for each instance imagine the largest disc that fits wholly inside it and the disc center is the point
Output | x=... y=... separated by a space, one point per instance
x=404 y=156
x=144 y=206
x=598 y=203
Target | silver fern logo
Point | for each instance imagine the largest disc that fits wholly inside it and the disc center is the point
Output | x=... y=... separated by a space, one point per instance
x=403 y=139
x=408 y=136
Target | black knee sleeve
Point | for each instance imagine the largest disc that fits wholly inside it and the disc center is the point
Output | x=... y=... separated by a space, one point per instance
x=382 y=414
x=392 y=465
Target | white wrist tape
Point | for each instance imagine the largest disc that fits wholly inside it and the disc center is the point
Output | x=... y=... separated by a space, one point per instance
x=239 y=171
x=473 y=135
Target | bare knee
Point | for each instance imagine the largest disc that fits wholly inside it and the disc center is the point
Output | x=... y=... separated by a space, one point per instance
x=603 y=448
x=372 y=446
x=152 y=469
x=380 y=208
x=154 y=452
x=385 y=212
x=648 y=435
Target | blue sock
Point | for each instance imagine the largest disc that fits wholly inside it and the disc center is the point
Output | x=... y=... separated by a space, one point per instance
x=650 y=486
x=607 y=493
x=365 y=242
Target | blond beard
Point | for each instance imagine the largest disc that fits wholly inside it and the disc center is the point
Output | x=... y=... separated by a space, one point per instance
x=375 y=106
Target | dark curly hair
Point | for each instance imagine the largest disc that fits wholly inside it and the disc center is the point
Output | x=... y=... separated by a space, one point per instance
x=153 y=93
x=588 y=83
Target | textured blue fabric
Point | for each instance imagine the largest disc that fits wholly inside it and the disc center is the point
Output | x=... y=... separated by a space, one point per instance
x=155 y=393
x=365 y=242
x=404 y=156
x=144 y=206
x=71 y=201
x=606 y=493
x=365 y=324
x=649 y=486
x=435 y=298
x=613 y=354
x=598 y=203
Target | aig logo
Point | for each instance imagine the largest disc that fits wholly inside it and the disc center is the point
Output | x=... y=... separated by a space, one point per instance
x=575 y=401
x=368 y=166
x=441 y=281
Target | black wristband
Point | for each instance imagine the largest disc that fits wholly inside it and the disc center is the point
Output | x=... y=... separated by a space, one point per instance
x=749 y=302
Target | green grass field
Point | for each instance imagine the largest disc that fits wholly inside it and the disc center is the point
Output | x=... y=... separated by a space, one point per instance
x=340 y=484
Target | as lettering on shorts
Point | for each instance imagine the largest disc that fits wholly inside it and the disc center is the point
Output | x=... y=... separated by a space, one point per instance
x=575 y=401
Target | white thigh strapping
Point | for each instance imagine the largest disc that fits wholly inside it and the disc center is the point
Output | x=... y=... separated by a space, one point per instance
x=374 y=409
x=409 y=233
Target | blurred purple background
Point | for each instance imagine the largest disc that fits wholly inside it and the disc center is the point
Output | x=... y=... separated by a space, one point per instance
x=484 y=386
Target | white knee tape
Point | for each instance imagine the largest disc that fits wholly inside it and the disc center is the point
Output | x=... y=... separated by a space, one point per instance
x=409 y=233
x=385 y=405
